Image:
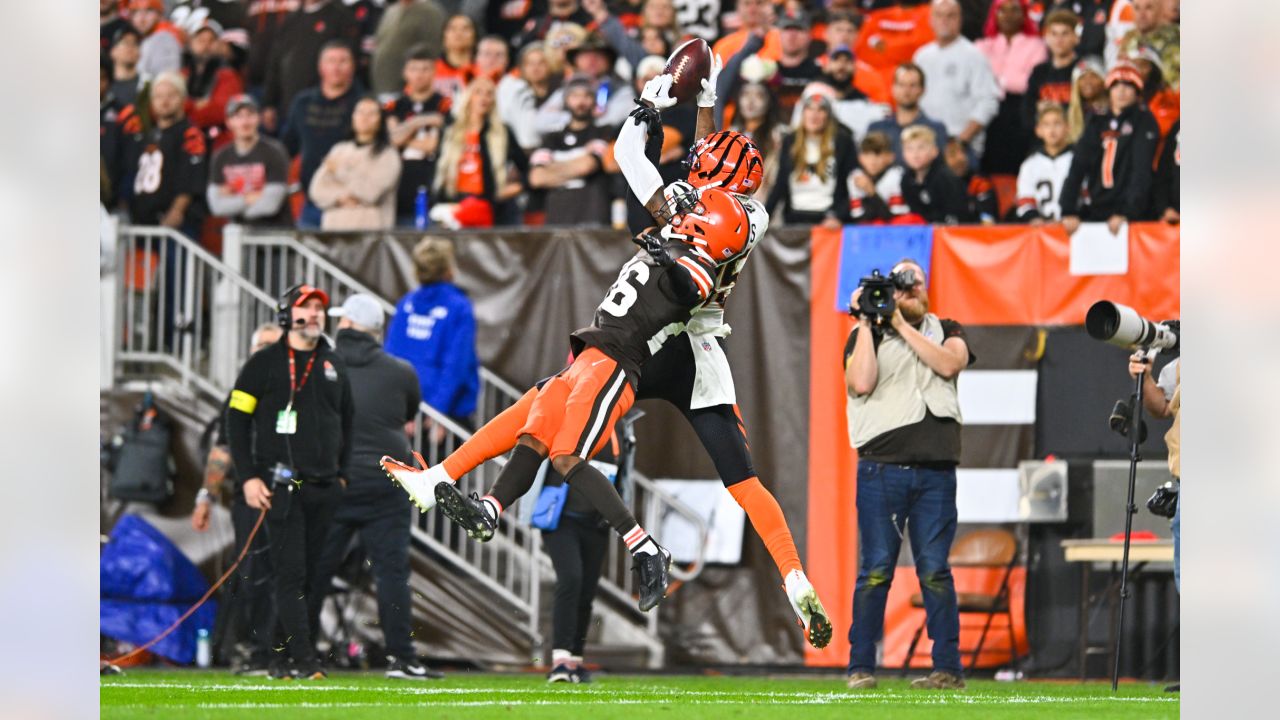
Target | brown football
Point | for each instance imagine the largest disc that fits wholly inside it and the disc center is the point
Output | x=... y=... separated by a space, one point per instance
x=688 y=66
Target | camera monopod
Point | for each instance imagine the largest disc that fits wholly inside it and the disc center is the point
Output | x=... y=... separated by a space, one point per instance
x=1123 y=326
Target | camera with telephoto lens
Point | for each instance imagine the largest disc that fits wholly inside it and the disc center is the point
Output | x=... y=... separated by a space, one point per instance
x=1122 y=325
x=876 y=300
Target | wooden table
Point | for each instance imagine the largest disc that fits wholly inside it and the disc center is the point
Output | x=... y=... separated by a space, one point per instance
x=1088 y=551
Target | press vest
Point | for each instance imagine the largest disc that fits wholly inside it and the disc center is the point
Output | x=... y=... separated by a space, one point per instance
x=905 y=387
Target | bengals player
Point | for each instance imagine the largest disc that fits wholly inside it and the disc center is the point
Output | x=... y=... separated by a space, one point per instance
x=688 y=367
x=571 y=415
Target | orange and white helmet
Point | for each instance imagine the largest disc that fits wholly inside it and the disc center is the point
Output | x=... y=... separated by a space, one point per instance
x=717 y=225
x=726 y=159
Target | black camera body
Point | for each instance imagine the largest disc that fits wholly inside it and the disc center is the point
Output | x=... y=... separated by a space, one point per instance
x=876 y=300
x=1164 y=501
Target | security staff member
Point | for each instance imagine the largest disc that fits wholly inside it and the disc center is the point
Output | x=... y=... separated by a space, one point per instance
x=904 y=420
x=289 y=423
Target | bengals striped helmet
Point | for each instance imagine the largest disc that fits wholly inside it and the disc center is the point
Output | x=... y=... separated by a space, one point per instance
x=726 y=159
x=717 y=225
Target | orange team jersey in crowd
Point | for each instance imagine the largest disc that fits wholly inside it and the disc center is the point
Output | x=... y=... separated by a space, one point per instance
x=450 y=80
x=730 y=44
x=1166 y=105
x=867 y=80
x=470 y=173
x=891 y=36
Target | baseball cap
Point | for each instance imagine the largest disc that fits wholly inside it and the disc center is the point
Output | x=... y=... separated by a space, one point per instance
x=157 y=5
x=1124 y=72
x=840 y=50
x=363 y=310
x=797 y=21
x=306 y=292
x=240 y=102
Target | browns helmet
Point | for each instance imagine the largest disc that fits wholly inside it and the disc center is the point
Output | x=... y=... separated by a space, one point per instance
x=726 y=159
x=716 y=225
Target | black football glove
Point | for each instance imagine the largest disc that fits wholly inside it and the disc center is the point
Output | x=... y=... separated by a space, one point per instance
x=653 y=244
x=646 y=114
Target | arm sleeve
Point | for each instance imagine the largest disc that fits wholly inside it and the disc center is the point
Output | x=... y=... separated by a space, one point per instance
x=1084 y=153
x=269 y=202
x=616 y=35
x=243 y=405
x=641 y=175
x=223 y=204
x=460 y=339
x=1137 y=197
x=986 y=92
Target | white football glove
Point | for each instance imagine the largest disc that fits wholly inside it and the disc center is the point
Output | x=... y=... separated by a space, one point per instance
x=658 y=92
x=707 y=96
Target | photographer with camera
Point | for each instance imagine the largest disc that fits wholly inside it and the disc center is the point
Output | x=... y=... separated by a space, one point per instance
x=289 y=425
x=901 y=365
x=1162 y=398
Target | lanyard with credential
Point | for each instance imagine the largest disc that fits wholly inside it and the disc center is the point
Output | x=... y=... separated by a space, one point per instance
x=294 y=389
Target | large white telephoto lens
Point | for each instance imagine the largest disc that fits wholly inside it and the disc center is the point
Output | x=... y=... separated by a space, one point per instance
x=1122 y=325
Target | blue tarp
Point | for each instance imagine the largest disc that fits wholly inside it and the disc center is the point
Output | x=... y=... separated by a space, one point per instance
x=879 y=247
x=146 y=584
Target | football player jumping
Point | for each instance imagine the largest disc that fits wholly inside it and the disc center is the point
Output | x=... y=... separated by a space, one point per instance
x=688 y=368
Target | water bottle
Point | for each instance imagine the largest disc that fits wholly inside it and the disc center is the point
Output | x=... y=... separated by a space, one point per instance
x=421 y=204
x=204 y=649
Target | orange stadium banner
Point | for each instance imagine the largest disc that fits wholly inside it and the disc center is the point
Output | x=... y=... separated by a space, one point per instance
x=992 y=275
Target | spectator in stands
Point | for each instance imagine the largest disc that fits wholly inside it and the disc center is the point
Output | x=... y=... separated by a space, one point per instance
x=1092 y=30
x=1043 y=174
x=930 y=189
x=295 y=56
x=453 y=69
x=356 y=184
x=404 y=26
x=1165 y=38
x=165 y=157
x=493 y=57
x=264 y=21
x=754 y=16
x=570 y=163
x=1113 y=159
x=108 y=136
x=962 y=91
x=248 y=179
x=126 y=80
x=853 y=109
x=1013 y=47
x=385 y=393
x=842 y=30
x=415 y=119
x=1167 y=205
x=110 y=23
x=908 y=87
x=980 y=194
x=795 y=68
x=814 y=166
x=161 y=47
x=558 y=13
x=434 y=328
x=1050 y=81
x=759 y=118
x=614 y=97
x=875 y=187
x=320 y=117
x=480 y=161
x=210 y=83
x=657 y=25
x=1164 y=102
x=522 y=92
x=1088 y=95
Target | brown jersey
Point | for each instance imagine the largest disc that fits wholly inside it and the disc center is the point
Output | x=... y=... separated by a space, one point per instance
x=647 y=297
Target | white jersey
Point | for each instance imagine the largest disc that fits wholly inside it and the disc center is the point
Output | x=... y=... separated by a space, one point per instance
x=1040 y=181
x=888 y=189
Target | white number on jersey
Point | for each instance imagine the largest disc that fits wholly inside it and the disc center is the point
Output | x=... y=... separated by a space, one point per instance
x=622 y=294
x=150 y=167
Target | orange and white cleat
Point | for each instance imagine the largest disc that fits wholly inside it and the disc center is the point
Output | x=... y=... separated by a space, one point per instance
x=420 y=484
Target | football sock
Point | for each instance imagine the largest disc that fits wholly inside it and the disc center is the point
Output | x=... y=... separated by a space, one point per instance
x=493 y=439
x=561 y=657
x=492 y=507
x=640 y=542
x=517 y=477
x=769 y=523
x=598 y=491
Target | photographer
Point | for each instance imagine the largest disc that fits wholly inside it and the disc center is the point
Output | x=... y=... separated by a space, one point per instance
x=289 y=423
x=1162 y=398
x=901 y=365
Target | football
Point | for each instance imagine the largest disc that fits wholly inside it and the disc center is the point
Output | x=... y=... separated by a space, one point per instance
x=688 y=66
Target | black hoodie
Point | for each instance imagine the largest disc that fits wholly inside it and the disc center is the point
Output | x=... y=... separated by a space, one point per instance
x=386 y=394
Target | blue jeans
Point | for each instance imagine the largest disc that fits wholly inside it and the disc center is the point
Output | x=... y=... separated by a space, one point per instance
x=924 y=500
x=310 y=217
x=1177 y=540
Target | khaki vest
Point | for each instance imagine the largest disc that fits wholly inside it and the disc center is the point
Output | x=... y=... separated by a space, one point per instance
x=905 y=386
x=1173 y=438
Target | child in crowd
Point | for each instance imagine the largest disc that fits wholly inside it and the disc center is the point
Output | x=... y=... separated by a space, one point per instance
x=980 y=194
x=875 y=188
x=1042 y=174
x=931 y=190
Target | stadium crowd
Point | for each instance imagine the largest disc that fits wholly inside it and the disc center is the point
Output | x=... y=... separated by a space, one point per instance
x=373 y=114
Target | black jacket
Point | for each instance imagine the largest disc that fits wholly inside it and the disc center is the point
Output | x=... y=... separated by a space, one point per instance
x=1113 y=160
x=321 y=446
x=386 y=394
x=940 y=199
x=1169 y=173
x=845 y=160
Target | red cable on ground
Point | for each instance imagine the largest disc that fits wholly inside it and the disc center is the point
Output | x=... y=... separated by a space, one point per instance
x=243 y=551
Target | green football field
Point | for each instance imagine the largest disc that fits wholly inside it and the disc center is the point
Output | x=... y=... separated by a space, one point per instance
x=193 y=695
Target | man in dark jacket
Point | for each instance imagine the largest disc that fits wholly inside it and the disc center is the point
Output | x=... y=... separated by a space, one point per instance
x=386 y=396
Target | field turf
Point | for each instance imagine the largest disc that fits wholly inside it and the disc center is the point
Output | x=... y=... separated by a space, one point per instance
x=195 y=695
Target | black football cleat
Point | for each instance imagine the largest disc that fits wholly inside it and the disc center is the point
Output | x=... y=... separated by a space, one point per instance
x=468 y=512
x=652 y=576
